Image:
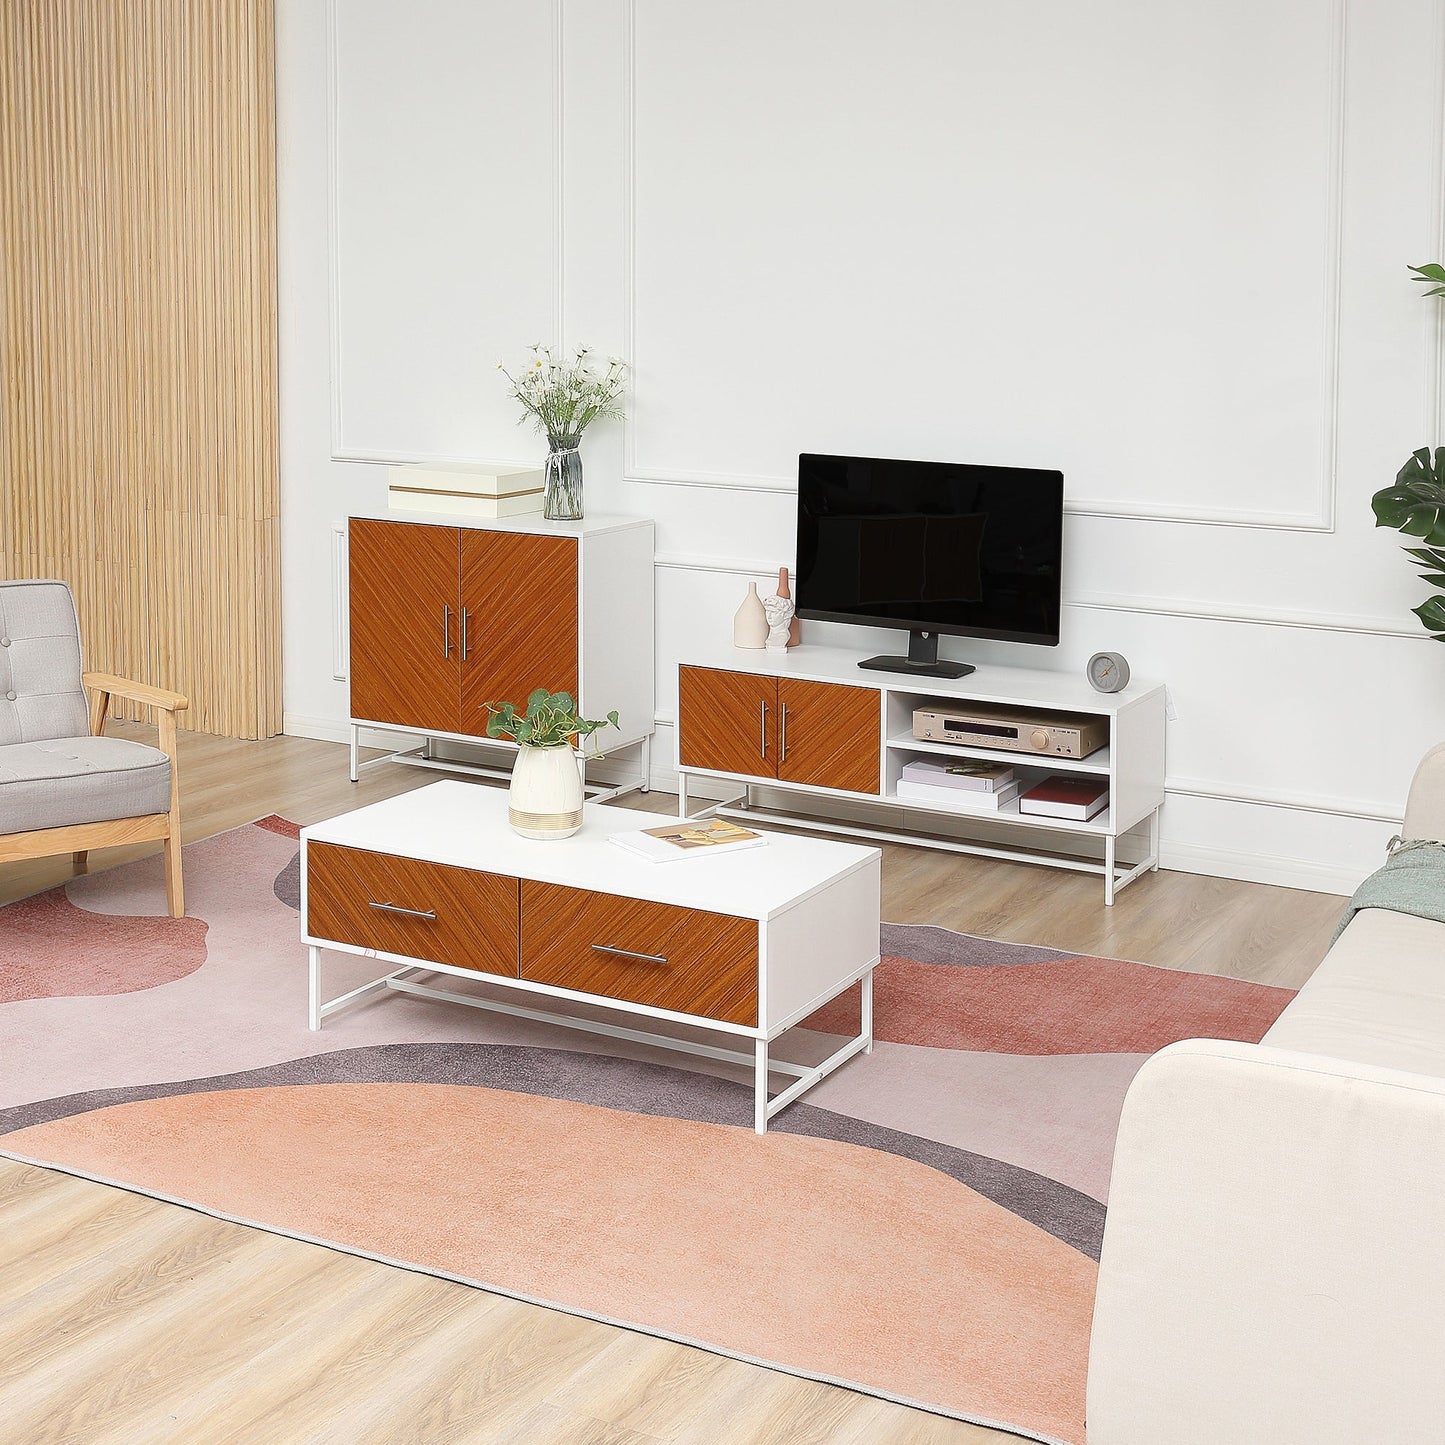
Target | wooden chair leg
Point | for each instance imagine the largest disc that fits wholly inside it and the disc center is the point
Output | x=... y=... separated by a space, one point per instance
x=78 y=859
x=175 y=894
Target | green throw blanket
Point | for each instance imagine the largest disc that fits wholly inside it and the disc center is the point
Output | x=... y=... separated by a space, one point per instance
x=1411 y=881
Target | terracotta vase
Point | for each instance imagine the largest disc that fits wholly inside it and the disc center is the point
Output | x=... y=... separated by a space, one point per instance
x=795 y=627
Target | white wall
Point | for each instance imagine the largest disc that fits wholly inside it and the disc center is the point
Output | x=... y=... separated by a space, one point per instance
x=1159 y=246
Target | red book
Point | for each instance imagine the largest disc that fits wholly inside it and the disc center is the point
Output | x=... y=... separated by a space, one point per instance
x=1063 y=796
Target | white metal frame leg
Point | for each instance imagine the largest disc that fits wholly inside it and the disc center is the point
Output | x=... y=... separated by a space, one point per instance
x=315 y=998
x=1154 y=840
x=760 y=1086
x=355 y=758
x=646 y=786
x=865 y=1027
x=682 y=795
x=1109 y=871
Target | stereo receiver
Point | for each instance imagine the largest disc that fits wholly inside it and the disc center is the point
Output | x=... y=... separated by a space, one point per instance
x=1015 y=730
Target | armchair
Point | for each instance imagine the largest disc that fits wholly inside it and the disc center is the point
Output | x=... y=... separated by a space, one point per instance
x=64 y=786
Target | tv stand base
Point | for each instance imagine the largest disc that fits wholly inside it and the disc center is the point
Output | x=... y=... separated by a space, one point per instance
x=922 y=659
x=917 y=669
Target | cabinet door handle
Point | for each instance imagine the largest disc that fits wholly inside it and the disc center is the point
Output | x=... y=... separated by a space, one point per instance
x=783 y=735
x=446 y=630
x=410 y=912
x=466 y=650
x=763 y=729
x=629 y=953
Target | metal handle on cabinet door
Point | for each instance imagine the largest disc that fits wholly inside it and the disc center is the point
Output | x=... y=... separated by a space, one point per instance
x=410 y=912
x=763 y=729
x=783 y=735
x=629 y=953
x=466 y=649
x=446 y=630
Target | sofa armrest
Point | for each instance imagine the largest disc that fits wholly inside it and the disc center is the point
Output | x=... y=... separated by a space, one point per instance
x=1274 y=1256
x=1425 y=810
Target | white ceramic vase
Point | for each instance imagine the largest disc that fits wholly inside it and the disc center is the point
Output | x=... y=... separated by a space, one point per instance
x=545 y=796
x=750 y=622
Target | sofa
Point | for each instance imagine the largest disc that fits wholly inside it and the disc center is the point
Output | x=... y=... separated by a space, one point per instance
x=1273 y=1264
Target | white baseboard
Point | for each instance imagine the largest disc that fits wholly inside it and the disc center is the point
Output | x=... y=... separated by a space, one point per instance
x=337 y=730
x=1258 y=868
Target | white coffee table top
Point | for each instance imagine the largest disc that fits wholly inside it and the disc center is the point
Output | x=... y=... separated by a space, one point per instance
x=465 y=825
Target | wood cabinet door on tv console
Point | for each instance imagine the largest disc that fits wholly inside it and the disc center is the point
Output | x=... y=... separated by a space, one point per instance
x=727 y=721
x=829 y=735
x=519 y=624
x=404 y=624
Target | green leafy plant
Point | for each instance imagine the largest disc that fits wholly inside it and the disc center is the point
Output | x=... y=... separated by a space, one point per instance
x=1432 y=276
x=1415 y=505
x=550 y=720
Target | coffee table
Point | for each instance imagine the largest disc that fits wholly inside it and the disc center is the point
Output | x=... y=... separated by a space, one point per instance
x=746 y=944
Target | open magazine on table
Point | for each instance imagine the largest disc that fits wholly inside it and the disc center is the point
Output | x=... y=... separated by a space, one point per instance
x=703 y=837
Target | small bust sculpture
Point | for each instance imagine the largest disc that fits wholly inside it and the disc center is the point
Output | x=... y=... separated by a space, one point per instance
x=779 y=611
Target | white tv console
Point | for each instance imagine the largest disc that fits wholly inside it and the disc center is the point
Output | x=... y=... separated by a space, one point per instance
x=809 y=723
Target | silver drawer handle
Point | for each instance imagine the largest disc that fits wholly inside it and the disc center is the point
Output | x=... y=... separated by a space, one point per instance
x=410 y=912
x=628 y=953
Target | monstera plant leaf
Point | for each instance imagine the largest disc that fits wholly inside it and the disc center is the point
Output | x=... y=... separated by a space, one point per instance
x=1415 y=505
x=1432 y=614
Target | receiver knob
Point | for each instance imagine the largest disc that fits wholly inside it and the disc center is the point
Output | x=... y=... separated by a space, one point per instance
x=1040 y=737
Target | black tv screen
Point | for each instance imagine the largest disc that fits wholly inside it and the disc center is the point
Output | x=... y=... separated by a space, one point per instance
x=930 y=546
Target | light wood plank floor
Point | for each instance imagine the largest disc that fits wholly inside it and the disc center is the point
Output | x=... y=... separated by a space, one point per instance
x=125 y=1320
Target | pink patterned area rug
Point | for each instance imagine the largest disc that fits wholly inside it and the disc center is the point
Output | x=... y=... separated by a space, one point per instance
x=923 y=1226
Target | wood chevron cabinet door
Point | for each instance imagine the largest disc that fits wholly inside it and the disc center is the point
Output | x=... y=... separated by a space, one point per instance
x=657 y=954
x=519 y=621
x=829 y=735
x=405 y=628
x=727 y=721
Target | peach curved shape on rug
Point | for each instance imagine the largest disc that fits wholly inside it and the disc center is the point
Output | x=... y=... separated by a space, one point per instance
x=51 y=949
x=1065 y=1006
x=805 y=1252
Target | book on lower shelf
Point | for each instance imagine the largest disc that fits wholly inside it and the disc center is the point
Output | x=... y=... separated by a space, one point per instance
x=1075 y=798
x=959 y=800
x=706 y=837
x=969 y=775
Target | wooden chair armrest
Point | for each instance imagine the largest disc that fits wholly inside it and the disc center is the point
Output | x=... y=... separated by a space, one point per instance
x=108 y=683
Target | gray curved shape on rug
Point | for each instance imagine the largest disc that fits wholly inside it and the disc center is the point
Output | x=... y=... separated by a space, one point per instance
x=927 y=943
x=626 y=1085
x=287 y=886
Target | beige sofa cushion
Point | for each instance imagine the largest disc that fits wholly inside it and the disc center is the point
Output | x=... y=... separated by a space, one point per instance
x=80 y=780
x=1425 y=811
x=1378 y=997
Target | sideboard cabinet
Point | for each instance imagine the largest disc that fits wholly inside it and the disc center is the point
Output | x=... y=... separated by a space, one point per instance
x=447 y=617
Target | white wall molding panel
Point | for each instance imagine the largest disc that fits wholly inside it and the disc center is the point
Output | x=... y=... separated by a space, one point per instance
x=447 y=242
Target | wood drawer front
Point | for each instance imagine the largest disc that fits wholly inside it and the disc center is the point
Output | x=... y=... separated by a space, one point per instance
x=476 y=913
x=706 y=964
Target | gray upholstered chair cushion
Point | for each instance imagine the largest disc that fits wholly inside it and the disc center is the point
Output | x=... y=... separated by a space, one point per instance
x=40 y=692
x=63 y=781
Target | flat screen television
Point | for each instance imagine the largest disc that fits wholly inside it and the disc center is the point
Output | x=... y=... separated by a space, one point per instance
x=930 y=547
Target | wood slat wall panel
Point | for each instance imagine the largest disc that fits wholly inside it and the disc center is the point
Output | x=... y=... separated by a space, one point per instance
x=138 y=376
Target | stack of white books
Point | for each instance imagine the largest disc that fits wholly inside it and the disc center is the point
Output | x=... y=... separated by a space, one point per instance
x=967 y=784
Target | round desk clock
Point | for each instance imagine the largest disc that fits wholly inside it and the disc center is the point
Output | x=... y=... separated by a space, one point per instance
x=1108 y=672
